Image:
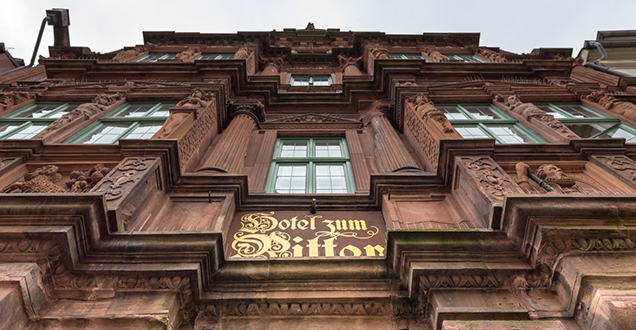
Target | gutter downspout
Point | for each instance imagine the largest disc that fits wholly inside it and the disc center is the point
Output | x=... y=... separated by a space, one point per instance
x=594 y=65
x=35 y=50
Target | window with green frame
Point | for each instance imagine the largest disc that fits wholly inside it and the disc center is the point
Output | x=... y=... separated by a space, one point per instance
x=477 y=121
x=130 y=121
x=155 y=57
x=466 y=58
x=408 y=57
x=310 y=166
x=215 y=57
x=310 y=81
x=27 y=122
x=589 y=123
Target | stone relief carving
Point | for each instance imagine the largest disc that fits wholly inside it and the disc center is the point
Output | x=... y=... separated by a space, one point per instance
x=625 y=166
x=83 y=181
x=309 y=119
x=42 y=180
x=559 y=180
x=492 y=180
x=490 y=55
x=188 y=54
x=189 y=143
x=299 y=309
x=125 y=175
x=434 y=55
x=10 y=99
x=529 y=111
x=127 y=55
x=84 y=111
x=612 y=104
x=276 y=62
x=349 y=60
x=243 y=53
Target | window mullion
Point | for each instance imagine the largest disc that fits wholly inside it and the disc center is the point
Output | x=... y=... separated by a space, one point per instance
x=485 y=129
x=126 y=132
x=595 y=136
x=310 y=178
x=16 y=130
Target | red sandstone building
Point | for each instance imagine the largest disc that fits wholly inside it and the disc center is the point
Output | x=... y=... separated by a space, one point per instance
x=316 y=179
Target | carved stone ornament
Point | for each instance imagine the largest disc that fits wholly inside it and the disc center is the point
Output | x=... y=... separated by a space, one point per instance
x=434 y=55
x=190 y=142
x=243 y=53
x=612 y=104
x=188 y=54
x=127 y=55
x=83 y=181
x=10 y=99
x=380 y=53
x=349 y=60
x=425 y=109
x=45 y=178
x=530 y=112
x=490 y=55
x=300 y=309
x=83 y=111
x=275 y=62
x=125 y=175
x=625 y=166
x=493 y=181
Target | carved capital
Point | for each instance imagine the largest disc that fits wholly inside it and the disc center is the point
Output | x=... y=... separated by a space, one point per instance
x=253 y=108
x=349 y=60
x=380 y=53
x=434 y=55
x=188 y=54
x=275 y=62
x=243 y=53
x=490 y=55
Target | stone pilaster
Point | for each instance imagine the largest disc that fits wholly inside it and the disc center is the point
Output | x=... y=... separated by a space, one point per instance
x=258 y=179
x=424 y=126
x=390 y=152
x=229 y=154
x=358 y=162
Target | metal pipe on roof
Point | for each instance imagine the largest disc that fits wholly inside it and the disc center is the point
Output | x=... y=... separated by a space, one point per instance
x=607 y=70
x=35 y=50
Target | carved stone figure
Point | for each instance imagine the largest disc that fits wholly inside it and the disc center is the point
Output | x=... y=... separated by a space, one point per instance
x=434 y=55
x=612 y=104
x=127 y=55
x=196 y=99
x=42 y=180
x=172 y=123
x=530 y=111
x=13 y=98
x=523 y=180
x=243 y=53
x=553 y=174
x=83 y=181
x=187 y=54
x=425 y=109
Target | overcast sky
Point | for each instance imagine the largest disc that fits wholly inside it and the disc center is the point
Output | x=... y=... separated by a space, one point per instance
x=517 y=26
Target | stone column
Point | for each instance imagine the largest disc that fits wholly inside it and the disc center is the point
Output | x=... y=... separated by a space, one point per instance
x=390 y=152
x=424 y=126
x=258 y=179
x=229 y=154
x=358 y=163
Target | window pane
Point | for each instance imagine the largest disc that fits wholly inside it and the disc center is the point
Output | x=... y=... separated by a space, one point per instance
x=328 y=149
x=452 y=113
x=215 y=56
x=554 y=113
x=482 y=113
x=144 y=131
x=294 y=149
x=106 y=133
x=6 y=128
x=163 y=111
x=330 y=179
x=465 y=58
x=619 y=132
x=586 y=130
x=300 y=81
x=38 y=111
x=155 y=57
x=471 y=132
x=510 y=134
x=321 y=81
x=28 y=132
x=291 y=179
x=578 y=111
x=135 y=110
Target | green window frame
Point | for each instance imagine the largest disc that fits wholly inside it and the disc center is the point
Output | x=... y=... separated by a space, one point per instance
x=408 y=57
x=466 y=58
x=587 y=122
x=149 y=58
x=228 y=56
x=310 y=166
x=129 y=121
x=30 y=120
x=317 y=80
x=475 y=121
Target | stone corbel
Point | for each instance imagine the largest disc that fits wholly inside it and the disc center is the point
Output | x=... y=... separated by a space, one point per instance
x=78 y=119
x=434 y=55
x=188 y=55
x=534 y=118
x=611 y=106
x=130 y=54
x=350 y=65
x=489 y=55
x=424 y=126
x=14 y=100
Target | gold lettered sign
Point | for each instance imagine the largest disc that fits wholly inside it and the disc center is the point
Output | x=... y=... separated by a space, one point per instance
x=297 y=234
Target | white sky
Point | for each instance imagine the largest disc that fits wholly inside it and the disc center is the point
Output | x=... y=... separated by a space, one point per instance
x=517 y=26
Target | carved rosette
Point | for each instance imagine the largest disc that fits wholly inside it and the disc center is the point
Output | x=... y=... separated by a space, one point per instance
x=130 y=54
x=426 y=125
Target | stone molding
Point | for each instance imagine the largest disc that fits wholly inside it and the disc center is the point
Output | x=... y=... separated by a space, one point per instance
x=14 y=100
